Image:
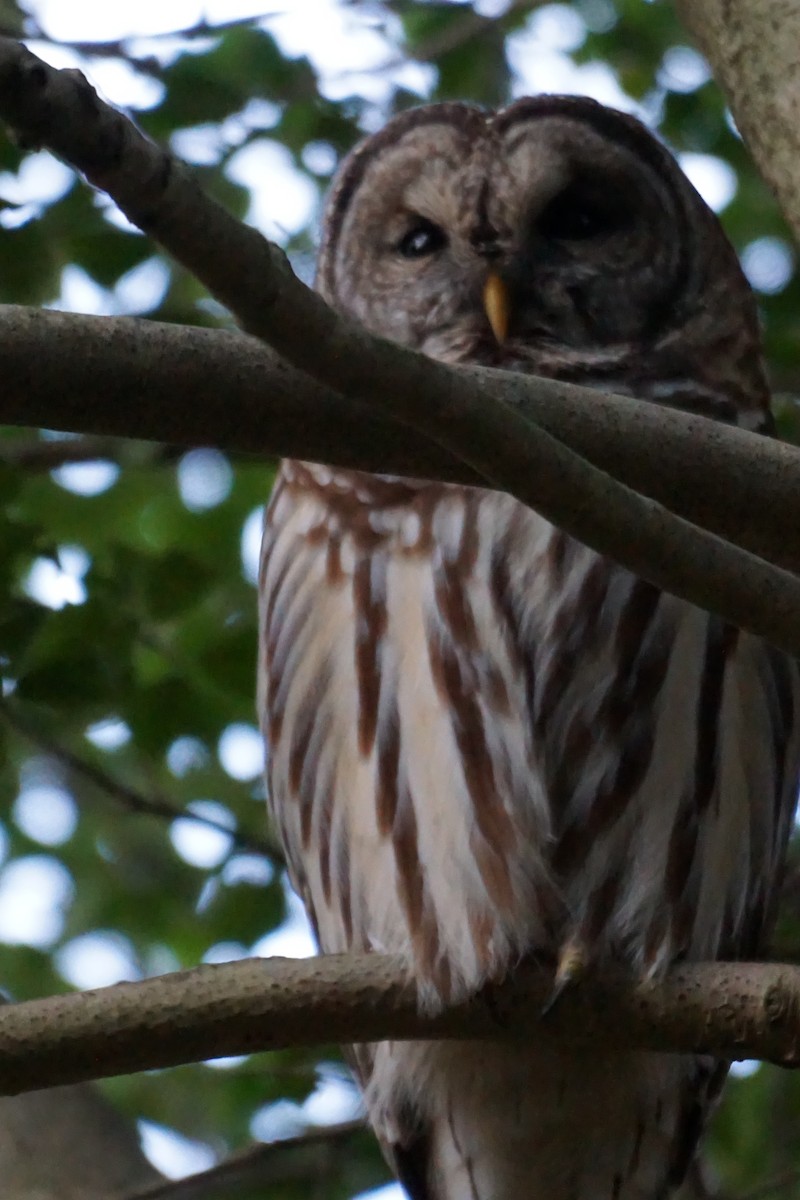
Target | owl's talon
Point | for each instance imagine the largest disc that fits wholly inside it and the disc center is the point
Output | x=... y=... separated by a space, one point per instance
x=571 y=968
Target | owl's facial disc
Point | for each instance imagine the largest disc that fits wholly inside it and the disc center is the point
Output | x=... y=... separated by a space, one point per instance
x=556 y=235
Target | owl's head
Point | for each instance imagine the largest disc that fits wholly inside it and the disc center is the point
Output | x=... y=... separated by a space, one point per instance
x=557 y=236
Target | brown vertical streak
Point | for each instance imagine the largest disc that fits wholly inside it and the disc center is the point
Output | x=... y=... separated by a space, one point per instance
x=428 y=950
x=311 y=789
x=323 y=843
x=286 y=646
x=720 y=642
x=490 y=814
x=497 y=692
x=410 y=880
x=559 y=554
x=318 y=773
x=274 y=717
x=387 y=768
x=343 y=882
x=680 y=852
x=469 y=543
x=570 y=632
x=520 y=654
x=300 y=737
x=334 y=575
x=369 y=601
x=627 y=717
x=492 y=820
x=610 y=803
x=493 y=868
x=635 y=619
x=776 y=674
x=320 y=782
x=453 y=603
x=312 y=713
x=570 y=765
x=273 y=594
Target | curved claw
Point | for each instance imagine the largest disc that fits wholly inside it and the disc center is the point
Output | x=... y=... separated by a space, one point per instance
x=571 y=966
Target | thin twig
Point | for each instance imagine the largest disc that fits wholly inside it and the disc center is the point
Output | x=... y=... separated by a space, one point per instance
x=472 y=25
x=119 y=47
x=128 y=797
x=455 y=35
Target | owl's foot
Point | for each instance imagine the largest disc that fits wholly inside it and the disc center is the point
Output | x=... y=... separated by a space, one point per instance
x=570 y=968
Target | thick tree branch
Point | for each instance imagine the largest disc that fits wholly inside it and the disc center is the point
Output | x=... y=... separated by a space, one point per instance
x=754 y=49
x=253 y=278
x=187 y=386
x=734 y=1010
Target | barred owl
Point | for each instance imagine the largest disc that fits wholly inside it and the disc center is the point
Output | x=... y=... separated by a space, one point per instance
x=485 y=740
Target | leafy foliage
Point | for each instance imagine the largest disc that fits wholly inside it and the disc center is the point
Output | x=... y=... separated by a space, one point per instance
x=118 y=701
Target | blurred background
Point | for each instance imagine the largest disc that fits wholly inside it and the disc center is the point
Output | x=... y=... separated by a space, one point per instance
x=133 y=839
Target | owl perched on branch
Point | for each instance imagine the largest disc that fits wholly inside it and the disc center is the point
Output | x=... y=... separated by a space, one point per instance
x=485 y=740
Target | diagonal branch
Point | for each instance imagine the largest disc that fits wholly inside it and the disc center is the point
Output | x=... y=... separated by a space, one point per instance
x=193 y=386
x=732 y=1010
x=253 y=278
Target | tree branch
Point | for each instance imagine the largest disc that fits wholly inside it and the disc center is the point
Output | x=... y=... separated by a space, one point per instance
x=733 y=1010
x=253 y=278
x=297 y=1159
x=752 y=46
x=191 y=386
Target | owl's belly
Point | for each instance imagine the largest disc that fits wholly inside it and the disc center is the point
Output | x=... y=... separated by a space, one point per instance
x=505 y=741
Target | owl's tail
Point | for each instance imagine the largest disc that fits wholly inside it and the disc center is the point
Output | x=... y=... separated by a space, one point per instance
x=499 y=1122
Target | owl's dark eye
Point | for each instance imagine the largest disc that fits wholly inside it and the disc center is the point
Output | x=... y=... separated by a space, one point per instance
x=574 y=216
x=421 y=239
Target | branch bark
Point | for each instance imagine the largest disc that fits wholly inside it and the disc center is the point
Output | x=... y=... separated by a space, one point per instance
x=733 y=1010
x=753 y=47
x=191 y=387
x=457 y=410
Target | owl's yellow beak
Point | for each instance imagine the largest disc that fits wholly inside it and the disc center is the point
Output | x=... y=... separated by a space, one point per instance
x=497 y=304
